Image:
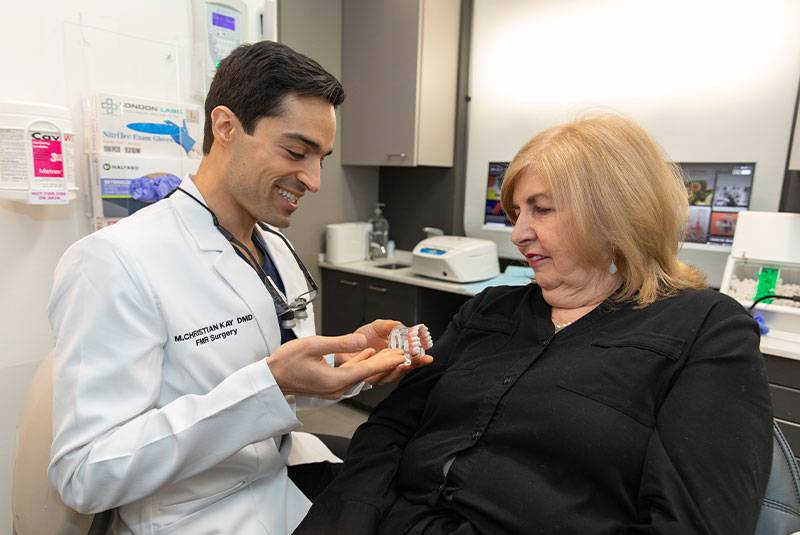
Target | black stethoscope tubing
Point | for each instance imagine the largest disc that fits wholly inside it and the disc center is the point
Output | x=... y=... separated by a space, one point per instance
x=287 y=312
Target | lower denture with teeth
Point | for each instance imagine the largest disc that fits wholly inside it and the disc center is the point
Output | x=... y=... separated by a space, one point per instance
x=414 y=341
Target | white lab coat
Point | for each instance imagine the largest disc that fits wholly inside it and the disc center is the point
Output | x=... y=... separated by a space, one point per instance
x=163 y=402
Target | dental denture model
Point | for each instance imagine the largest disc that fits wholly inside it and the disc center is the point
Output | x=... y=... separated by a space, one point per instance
x=413 y=340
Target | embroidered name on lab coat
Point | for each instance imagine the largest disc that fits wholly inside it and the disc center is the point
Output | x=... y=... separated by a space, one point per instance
x=213 y=332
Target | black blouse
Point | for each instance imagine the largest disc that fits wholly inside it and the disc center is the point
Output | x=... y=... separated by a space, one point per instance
x=653 y=420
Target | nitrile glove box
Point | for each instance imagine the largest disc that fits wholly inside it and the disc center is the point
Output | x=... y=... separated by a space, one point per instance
x=127 y=126
x=112 y=177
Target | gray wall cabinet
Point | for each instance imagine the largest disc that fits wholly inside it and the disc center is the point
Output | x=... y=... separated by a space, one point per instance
x=400 y=72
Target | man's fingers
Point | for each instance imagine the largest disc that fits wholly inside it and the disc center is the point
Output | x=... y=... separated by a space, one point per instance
x=399 y=372
x=324 y=345
x=358 y=357
x=384 y=327
x=355 y=372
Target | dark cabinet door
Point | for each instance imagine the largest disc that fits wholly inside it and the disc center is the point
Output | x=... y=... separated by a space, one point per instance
x=342 y=302
x=389 y=300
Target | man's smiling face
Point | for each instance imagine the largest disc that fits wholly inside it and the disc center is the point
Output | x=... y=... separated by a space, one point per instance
x=274 y=167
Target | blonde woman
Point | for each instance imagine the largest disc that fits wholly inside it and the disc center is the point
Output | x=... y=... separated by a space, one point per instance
x=616 y=395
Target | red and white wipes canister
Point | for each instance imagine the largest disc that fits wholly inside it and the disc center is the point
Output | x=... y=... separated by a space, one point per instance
x=37 y=163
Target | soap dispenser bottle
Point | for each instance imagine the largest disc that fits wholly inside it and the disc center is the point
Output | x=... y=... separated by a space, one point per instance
x=379 y=233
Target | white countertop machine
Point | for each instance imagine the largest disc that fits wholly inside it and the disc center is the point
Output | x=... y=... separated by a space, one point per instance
x=455 y=259
x=765 y=259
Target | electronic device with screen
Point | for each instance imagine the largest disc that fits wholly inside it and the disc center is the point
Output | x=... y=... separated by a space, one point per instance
x=219 y=26
x=717 y=193
x=494 y=216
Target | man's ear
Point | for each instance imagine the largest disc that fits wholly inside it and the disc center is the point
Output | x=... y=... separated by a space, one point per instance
x=223 y=124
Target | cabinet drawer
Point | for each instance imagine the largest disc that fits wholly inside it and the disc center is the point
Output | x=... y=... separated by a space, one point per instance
x=783 y=371
x=785 y=402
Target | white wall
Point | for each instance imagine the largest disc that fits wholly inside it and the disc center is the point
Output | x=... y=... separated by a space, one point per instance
x=712 y=80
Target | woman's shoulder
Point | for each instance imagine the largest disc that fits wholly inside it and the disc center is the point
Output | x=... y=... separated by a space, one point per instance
x=707 y=298
x=503 y=301
x=692 y=307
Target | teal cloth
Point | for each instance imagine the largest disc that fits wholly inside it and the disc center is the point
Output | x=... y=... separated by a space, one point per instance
x=512 y=276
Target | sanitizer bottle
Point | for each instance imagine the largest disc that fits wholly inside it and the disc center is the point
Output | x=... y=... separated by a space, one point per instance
x=379 y=233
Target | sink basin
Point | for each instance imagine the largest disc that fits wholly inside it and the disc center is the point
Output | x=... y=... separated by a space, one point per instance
x=393 y=266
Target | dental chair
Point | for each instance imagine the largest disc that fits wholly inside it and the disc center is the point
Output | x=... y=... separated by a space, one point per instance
x=780 y=507
x=37 y=507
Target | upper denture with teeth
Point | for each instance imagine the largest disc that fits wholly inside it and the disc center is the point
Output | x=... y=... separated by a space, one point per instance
x=413 y=340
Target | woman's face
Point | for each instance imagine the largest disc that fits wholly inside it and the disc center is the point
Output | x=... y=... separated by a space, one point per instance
x=541 y=235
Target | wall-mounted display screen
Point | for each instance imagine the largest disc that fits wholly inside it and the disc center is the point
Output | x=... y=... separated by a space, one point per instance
x=494 y=215
x=717 y=193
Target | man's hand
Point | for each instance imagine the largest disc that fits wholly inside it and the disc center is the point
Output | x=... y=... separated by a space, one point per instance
x=397 y=373
x=377 y=336
x=300 y=369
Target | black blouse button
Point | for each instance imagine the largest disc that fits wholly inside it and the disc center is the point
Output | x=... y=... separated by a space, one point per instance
x=475 y=435
x=506 y=380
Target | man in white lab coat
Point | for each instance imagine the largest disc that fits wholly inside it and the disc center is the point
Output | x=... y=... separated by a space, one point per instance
x=175 y=384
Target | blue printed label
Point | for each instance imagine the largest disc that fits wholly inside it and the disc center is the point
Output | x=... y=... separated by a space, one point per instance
x=115 y=187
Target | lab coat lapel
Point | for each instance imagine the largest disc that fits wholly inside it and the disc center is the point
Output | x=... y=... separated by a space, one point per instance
x=245 y=281
x=242 y=278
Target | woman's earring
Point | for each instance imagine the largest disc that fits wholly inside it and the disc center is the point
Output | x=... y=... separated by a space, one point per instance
x=612 y=268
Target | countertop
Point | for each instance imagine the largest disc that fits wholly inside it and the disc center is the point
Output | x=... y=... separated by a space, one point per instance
x=781 y=344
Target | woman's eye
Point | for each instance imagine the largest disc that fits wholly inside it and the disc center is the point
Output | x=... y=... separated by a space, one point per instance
x=543 y=209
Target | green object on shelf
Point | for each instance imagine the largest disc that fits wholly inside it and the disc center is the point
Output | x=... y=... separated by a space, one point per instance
x=767 y=280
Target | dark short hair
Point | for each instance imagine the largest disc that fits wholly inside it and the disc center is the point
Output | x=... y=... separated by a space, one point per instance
x=254 y=80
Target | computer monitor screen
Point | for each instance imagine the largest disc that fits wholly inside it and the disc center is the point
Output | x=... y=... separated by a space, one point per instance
x=717 y=193
x=494 y=216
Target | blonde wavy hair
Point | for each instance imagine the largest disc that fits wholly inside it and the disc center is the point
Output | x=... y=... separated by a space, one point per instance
x=619 y=199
